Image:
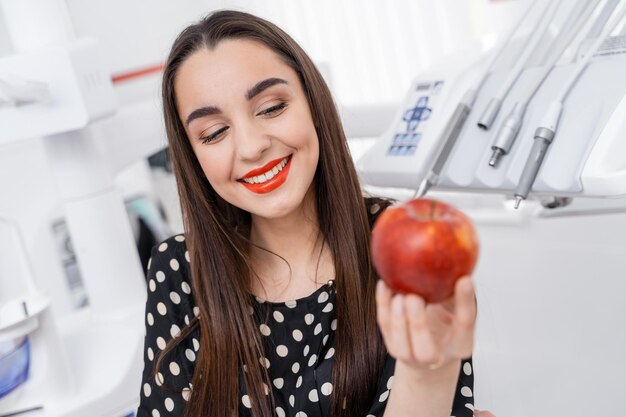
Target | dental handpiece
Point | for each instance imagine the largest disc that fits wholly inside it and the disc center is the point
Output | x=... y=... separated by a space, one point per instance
x=543 y=139
x=507 y=133
x=449 y=137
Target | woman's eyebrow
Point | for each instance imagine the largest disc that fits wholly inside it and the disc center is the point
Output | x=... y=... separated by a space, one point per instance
x=261 y=86
x=202 y=112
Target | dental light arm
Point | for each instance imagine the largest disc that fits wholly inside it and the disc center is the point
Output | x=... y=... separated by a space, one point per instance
x=509 y=129
x=544 y=135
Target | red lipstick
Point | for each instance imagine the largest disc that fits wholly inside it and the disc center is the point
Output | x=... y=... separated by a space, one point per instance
x=272 y=184
x=264 y=168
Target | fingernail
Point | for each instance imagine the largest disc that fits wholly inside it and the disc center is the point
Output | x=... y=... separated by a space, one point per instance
x=398 y=305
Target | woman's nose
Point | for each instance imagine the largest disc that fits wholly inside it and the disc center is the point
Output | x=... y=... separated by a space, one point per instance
x=250 y=143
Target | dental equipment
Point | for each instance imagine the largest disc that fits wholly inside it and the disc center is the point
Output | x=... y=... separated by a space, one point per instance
x=602 y=19
x=78 y=142
x=510 y=127
x=493 y=107
x=457 y=120
x=544 y=134
x=15 y=91
x=571 y=19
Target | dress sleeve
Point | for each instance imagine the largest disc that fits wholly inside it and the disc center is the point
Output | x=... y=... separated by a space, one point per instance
x=169 y=308
x=462 y=406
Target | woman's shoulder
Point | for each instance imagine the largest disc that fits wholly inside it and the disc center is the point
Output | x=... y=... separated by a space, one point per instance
x=173 y=245
x=169 y=270
x=172 y=252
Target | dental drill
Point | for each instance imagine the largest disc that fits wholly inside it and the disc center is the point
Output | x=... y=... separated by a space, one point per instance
x=457 y=120
x=544 y=134
x=510 y=127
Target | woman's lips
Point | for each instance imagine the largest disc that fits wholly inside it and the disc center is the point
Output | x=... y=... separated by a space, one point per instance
x=276 y=181
x=265 y=168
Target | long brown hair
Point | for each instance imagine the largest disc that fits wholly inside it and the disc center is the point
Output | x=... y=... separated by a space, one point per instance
x=217 y=240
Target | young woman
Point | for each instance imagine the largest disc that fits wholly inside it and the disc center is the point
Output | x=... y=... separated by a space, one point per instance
x=269 y=305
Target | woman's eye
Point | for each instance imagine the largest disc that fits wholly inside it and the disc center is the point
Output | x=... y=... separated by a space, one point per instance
x=214 y=136
x=274 y=110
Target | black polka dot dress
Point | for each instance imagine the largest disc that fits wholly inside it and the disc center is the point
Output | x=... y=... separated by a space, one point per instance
x=299 y=347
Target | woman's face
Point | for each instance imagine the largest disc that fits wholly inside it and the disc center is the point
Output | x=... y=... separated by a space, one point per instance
x=250 y=126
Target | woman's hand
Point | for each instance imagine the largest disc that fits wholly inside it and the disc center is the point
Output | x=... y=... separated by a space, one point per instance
x=427 y=336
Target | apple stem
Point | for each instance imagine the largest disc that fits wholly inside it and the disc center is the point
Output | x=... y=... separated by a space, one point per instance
x=432 y=209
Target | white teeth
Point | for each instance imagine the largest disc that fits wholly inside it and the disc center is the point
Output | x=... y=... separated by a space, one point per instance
x=268 y=175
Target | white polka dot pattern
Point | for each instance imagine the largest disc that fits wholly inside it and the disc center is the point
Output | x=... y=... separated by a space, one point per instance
x=186 y=393
x=282 y=351
x=265 y=330
x=299 y=347
x=160 y=343
x=169 y=404
x=174 y=368
x=327 y=388
x=467 y=368
x=297 y=335
x=466 y=391
x=174 y=331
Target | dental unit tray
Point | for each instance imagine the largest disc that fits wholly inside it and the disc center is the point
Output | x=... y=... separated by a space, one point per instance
x=587 y=157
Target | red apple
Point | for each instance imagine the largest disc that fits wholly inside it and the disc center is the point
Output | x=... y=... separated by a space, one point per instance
x=423 y=247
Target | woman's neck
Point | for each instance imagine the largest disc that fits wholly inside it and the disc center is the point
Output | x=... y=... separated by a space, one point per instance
x=289 y=254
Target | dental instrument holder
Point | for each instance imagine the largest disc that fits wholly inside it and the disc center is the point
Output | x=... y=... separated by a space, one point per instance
x=586 y=158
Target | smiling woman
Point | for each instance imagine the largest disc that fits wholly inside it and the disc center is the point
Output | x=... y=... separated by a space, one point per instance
x=267 y=305
x=246 y=113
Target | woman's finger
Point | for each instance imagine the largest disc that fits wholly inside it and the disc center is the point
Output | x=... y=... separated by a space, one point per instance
x=383 y=310
x=464 y=318
x=400 y=345
x=424 y=347
x=392 y=323
x=483 y=413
